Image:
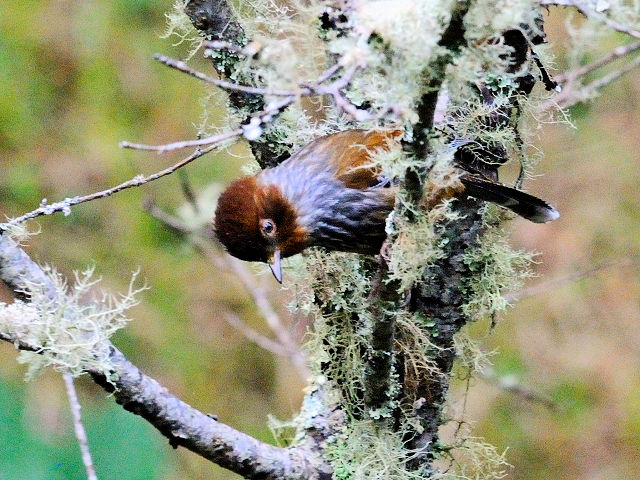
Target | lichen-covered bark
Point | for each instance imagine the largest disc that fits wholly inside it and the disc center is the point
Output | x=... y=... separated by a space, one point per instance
x=439 y=295
x=440 y=298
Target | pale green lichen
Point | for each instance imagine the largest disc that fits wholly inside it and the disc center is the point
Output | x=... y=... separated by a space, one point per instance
x=414 y=342
x=470 y=356
x=19 y=232
x=471 y=458
x=495 y=268
x=179 y=25
x=364 y=451
x=69 y=330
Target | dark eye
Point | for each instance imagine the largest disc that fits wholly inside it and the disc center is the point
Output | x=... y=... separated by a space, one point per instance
x=267 y=227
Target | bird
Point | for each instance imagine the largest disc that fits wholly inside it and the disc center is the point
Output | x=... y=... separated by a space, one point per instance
x=329 y=194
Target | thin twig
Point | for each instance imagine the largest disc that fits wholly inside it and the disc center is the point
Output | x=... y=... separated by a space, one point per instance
x=183 y=67
x=593 y=14
x=187 y=190
x=570 y=96
x=616 y=53
x=611 y=77
x=81 y=434
x=267 y=311
x=341 y=102
x=250 y=130
x=257 y=338
x=510 y=384
x=211 y=140
x=65 y=205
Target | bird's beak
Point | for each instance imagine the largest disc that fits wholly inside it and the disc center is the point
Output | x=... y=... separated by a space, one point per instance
x=276 y=266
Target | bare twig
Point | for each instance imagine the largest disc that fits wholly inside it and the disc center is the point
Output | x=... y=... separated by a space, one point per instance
x=611 y=77
x=589 y=13
x=286 y=344
x=183 y=67
x=65 y=205
x=211 y=140
x=615 y=54
x=272 y=318
x=257 y=338
x=510 y=384
x=335 y=90
x=187 y=190
x=81 y=434
x=316 y=87
x=250 y=130
x=570 y=96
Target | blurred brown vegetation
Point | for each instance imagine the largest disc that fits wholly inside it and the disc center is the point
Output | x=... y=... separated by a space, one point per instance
x=77 y=78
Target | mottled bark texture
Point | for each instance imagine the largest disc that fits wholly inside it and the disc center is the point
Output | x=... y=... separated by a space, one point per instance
x=440 y=297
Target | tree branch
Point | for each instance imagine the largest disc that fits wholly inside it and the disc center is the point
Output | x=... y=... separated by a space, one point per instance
x=182 y=424
x=380 y=356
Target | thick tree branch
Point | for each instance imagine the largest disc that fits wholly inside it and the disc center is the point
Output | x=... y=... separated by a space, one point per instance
x=142 y=395
x=380 y=356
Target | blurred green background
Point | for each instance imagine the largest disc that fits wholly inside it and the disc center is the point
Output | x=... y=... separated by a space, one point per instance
x=77 y=77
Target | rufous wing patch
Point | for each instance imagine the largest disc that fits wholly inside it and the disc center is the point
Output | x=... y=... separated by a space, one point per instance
x=352 y=153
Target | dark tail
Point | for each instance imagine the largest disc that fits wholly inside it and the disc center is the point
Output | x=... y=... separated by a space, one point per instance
x=527 y=206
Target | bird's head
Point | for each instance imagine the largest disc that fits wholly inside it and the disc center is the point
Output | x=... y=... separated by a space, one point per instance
x=257 y=223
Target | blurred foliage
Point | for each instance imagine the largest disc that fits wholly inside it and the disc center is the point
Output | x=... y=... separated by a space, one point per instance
x=77 y=78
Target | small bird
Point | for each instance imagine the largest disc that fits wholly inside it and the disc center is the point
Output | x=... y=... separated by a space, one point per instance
x=328 y=194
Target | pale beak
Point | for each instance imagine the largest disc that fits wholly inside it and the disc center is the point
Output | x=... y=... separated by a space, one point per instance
x=276 y=266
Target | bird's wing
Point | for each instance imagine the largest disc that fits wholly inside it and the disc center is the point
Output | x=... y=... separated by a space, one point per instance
x=350 y=154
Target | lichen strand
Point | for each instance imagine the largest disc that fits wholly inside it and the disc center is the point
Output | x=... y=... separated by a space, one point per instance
x=69 y=331
x=495 y=268
x=180 y=29
x=339 y=283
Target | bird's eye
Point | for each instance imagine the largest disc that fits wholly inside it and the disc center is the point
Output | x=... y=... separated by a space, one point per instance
x=267 y=227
